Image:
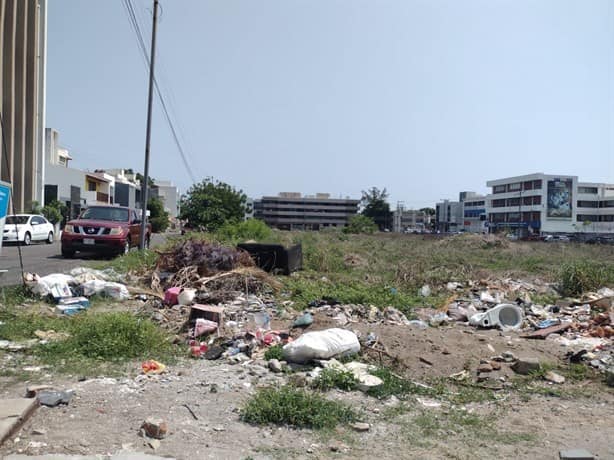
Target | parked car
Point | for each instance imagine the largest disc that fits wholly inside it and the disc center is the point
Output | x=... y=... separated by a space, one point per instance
x=25 y=228
x=557 y=238
x=104 y=229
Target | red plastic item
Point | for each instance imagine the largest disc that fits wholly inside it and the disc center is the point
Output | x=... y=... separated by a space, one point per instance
x=171 y=294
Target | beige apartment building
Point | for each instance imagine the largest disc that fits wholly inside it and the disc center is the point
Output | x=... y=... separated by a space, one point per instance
x=22 y=98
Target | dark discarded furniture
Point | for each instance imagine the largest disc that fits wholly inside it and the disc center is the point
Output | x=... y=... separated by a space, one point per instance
x=275 y=257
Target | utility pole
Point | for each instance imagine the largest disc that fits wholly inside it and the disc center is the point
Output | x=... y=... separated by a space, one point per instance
x=145 y=193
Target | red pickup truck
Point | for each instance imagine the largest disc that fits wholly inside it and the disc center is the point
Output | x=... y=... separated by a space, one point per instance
x=106 y=229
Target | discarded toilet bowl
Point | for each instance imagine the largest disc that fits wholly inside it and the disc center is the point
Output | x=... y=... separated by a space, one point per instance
x=504 y=315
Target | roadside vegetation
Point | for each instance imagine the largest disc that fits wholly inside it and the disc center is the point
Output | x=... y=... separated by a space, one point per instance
x=296 y=407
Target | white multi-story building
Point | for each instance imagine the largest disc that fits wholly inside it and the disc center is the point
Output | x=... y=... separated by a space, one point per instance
x=449 y=216
x=404 y=220
x=550 y=204
x=169 y=194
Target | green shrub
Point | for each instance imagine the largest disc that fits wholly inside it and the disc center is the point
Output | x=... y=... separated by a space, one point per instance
x=110 y=337
x=360 y=224
x=134 y=261
x=581 y=276
x=291 y=406
x=274 y=352
x=335 y=378
x=251 y=229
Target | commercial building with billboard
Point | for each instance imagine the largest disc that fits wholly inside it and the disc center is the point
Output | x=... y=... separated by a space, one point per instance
x=550 y=204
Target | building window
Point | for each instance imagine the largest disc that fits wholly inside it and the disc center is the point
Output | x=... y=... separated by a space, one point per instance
x=498 y=189
x=513 y=202
x=589 y=190
x=498 y=203
x=588 y=204
x=91 y=186
x=528 y=185
x=537 y=199
x=607 y=204
x=537 y=184
x=587 y=218
x=513 y=187
x=513 y=216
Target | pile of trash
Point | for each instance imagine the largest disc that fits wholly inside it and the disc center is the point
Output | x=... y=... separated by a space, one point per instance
x=584 y=325
x=209 y=267
x=71 y=292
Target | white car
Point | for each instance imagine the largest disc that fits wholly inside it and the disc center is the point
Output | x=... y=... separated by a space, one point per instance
x=25 y=228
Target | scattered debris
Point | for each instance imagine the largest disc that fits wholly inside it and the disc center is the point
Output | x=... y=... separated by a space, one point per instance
x=155 y=428
x=525 y=366
x=321 y=345
x=554 y=377
x=153 y=367
x=360 y=426
x=52 y=398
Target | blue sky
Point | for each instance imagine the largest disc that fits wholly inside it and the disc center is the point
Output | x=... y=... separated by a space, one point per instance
x=423 y=97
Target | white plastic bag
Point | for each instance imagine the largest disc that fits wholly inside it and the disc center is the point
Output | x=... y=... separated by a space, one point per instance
x=56 y=284
x=321 y=345
x=114 y=290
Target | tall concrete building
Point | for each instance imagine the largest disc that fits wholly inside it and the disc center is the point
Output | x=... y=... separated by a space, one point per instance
x=550 y=204
x=22 y=98
x=292 y=211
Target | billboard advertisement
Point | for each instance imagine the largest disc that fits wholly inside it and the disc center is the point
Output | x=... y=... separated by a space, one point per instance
x=560 y=198
x=5 y=194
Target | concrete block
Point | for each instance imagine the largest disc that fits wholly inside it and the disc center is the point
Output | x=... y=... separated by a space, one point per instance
x=13 y=413
x=576 y=454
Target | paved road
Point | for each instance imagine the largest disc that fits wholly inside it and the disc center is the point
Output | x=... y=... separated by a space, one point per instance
x=43 y=259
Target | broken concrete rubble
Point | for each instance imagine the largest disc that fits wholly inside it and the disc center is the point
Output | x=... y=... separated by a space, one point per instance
x=525 y=366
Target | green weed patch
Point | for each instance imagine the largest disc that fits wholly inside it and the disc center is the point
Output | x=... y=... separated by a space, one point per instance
x=299 y=408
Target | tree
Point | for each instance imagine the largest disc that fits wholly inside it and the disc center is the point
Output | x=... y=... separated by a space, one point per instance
x=211 y=204
x=428 y=211
x=141 y=179
x=157 y=214
x=375 y=206
x=55 y=211
x=360 y=224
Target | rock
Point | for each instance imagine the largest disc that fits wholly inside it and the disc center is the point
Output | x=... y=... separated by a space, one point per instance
x=39 y=431
x=275 y=365
x=368 y=381
x=576 y=454
x=525 y=366
x=483 y=377
x=360 y=426
x=484 y=367
x=54 y=398
x=554 y=377
x=495 y=365
x=425 y=290
x=155 y=428
x=154 y=444
x=219 y=428
x=508 y=356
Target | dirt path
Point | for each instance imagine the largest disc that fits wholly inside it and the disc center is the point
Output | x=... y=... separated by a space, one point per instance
x=105 y=415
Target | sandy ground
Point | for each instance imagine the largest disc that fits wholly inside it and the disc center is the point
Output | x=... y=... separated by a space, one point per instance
x=105 y=415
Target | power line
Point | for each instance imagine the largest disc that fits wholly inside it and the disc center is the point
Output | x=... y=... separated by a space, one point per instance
x=137 y=30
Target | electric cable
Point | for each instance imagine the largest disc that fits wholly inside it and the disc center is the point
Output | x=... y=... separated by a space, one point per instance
x=141 y=43
x=8 y=169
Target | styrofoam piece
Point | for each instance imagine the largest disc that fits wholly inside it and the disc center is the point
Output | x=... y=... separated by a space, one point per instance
x=504 y=315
